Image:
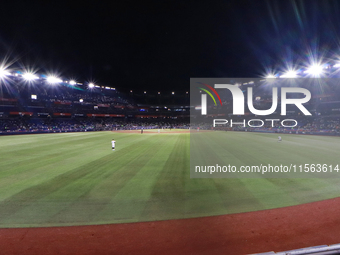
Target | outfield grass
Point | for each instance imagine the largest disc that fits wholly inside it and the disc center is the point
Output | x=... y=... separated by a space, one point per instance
x=76 y=179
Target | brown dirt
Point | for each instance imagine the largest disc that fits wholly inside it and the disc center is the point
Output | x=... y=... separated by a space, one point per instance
x=278 y=229
x=166 y=131
x=150 y=131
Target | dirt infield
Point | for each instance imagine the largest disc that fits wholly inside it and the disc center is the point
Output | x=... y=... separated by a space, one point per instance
x=278 y=229
x=148 y=131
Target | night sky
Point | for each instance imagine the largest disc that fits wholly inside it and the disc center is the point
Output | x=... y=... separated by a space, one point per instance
x=155 y=45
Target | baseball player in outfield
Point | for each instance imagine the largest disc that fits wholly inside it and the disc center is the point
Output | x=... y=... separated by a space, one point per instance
x=113 y=142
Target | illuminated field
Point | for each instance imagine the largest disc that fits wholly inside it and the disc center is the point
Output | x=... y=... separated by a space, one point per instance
x=76 y=179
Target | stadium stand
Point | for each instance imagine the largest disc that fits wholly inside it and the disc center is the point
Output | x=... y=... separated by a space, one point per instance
x=40 y=107
x=32 y=103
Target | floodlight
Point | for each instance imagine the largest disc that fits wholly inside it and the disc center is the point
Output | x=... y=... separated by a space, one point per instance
x=30 y=76
x=3 y=73
x=72 y=82
x=91 y=85
x=270 y=76
x=289 y=74
x=81 y=100
x=173 y=93
x=53 y=80
x=315 y=70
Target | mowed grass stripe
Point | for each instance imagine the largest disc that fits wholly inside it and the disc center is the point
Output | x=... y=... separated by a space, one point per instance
x=68 y=186
x=236 y=196
x=38 y=150
x=22 y=142
x=79 y=180
x=55 y=160
x=38 y=171
x=168 y=191
x=254 y=149
x=128 y=165
x=268 y=194
x=308 y=190
x=129 y=203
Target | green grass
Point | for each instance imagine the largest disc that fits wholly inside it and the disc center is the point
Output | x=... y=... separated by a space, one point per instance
x=76 y=179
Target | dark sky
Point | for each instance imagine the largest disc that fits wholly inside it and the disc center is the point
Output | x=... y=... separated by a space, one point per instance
x=161 y=44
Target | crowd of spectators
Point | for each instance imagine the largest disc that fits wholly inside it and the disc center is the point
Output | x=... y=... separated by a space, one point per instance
x=61 y=99
x=325 y=125
x=32 y=125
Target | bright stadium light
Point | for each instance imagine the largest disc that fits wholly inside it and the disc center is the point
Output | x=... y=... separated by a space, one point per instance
x=73 y=82
x=315 y=70
x=3 y=73
x=91 y=85
x=29 y=76
x=289 y=74
x=336 y=65
x=173 y=93
x=270 y=76
x=53 y=80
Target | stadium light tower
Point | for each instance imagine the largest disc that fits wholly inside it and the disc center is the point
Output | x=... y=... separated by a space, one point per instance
x=30 y=76
x=53 y=80
x=91 y=85
x=315 y=70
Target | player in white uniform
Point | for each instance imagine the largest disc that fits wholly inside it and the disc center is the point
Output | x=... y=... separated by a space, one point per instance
x=280 y=139
x=113 y=142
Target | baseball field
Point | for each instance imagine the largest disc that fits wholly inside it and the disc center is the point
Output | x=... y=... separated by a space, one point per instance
x=67 y=179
